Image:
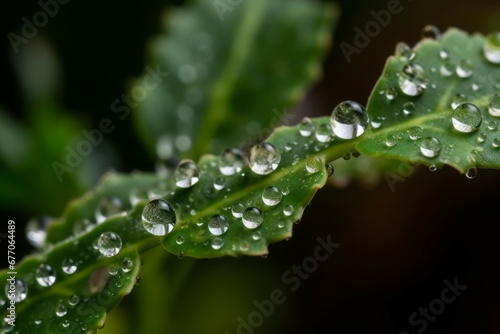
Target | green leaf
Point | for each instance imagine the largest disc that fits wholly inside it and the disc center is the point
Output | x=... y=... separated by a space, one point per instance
x=231 y=80
x=432 y=109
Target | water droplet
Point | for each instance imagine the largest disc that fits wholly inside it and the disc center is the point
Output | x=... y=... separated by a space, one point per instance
x=231 y=161
x=466 y=118
x=69 y=266
x=492 y=125
x=159 y=217
x=431 y=147
x=73 y=300
x=391 y=141
x=349 y=120
x=109 y=244
x=481 y=138
x=127 y=265
x=217 y=243
x=82 y=226
x=447 y=68
x=491 y=47
x=494 y=106
x=218 y=225
x=288 y=210
x=329 y=169
x=430 y=32
x=471 y=173
x=186 y=174
x=306 y=127
x=252 y=217
x=36 y=231
x=244 y=246
x=38 y=322
x=18 y=291
x=61 y=310
x=219 y=183
x=313 y=164
x=108 y=207
x=271 y=196
x=465 y=69
x=432 y=168
x=264 y=158
x=324 y=133
x=179 y=240
x=377 y=122
x=65 y=323
x=457 y=100
x=390 y=94
x=413 y=79
x=113 y=270
x=45 y=275
x=404 y=51
x=408 y=108
x=289 y=146
x=285 y=191
x=237 y=210
x=257 y=235
x=495 y=143
x=443 y=54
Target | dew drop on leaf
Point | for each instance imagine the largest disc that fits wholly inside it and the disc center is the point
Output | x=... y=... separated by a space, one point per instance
x=430 y=32
x=109 y=244
x=20 y=290
x=257 y=235
x=218 y=225
x=252 y=217
x=481 y=138
x=179 y=240
x=186 y=173
x=413 y=79
x=329 y=169
x=494 y=106
x=471 y=173
x=36 y=230
x=349 y=120
x=465 y=69
x=217 y=243
x=271 y=196
x=69 y=266
x=466 y=118
x=159 y=217
x=231 y=161
x=391 y=141
x=288 y=210
x=127 y=265
x=324 y=133
x=491 y=48
x=45 y=275
x=430 y=147
x=219 y=183
x=61 y=310
x=73 y=300
x=404 y=51
x=264 y=158
x=408 y=108
x=446 y=69
x=492 y=125
x=495 y=143
x=390 y=94
x=237 y=210
x=306 y=127
x=443 y=54
x=313 y=164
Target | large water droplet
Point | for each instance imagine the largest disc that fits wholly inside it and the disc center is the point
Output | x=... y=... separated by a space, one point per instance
x=186 y=174
x=466 y=118
x=45 y=275
x=109 y=244
x=264 y=158
x=218 y=225
x=494 y=106
x=349 y=120
x=36 y=231
x=231 y=161
x=108 y=207
x=465 y=69
x=313 y=164
x=252 y=217
x=491 y=47
x=237 y=210
x=159 y=217
x=413 y=79
x=69 y=266
x=306 y=127
x=431 y=147
x=271 y=196
x=16 y=290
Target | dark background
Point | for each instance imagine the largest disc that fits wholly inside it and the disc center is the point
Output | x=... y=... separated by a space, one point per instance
x=397 y=247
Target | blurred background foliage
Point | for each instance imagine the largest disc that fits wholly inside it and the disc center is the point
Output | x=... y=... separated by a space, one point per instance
x=398 y=244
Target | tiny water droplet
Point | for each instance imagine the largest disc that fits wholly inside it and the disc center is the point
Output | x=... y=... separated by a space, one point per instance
x=264 y=158
x=159 y=217
x=494 y=106
x=495 y=143
x=391 y=141
x=218 y=225
x=457 y=100
x=45 y=275
x=217 y=243
x=306 y=127
x=491 y=48
x=231 y=161
x=408 y=108
x=313 y=164
x=288 y=210
x=237 y=210
x=430 y=32
x=466 y=118
x=69 y=266
x=285 y=191
x=73 y=300
x=432 y=168
x=324 y=133
x=404 y=51
x=38 y=322
x=431 y=147
x=20 y=290
x=349 y=120
x=65 y=323
x=36 y=231
x=376 y=122
x=127 y=265
x=271 y=196
x=113 y=270
x=447 y=68
x=329 y=169
x=252 y=217
x=465 y=69
x=471 y=173
x=289 y=146
x=413 y=79
x=109 y=244
x=390 y=94
x=492 y=125
x=257 y=235
x=179 y=240
x=61 y=310
x=481 y=138
x=219 y=183
x=186 y=173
